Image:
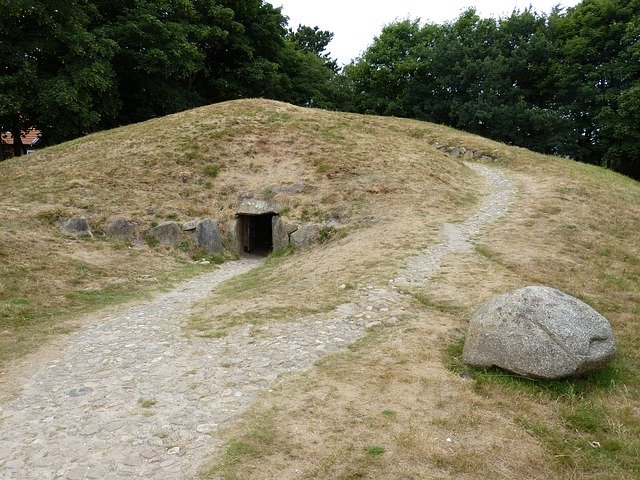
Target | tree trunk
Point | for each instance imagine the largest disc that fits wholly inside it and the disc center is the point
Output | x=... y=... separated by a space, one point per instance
x=18 y=148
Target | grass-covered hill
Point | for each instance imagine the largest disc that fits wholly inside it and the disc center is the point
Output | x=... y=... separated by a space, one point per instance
x=197 y=164
x=386 y=407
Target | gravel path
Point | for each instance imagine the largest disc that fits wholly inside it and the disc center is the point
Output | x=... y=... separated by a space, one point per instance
x=458 y=236
x=132 y=397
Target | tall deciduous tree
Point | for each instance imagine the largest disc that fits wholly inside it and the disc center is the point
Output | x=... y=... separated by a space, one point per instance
x=55 y=74
x=597 y=73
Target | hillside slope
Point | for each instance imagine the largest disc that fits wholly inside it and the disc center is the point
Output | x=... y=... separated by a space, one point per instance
x=397 y=404
x=356 y=170
x=400 y=404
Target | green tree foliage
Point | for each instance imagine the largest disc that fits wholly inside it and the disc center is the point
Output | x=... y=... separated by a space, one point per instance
x=597 y=74
x=71 y=67
x=314 y=41
x=55 y=74
x=567 y=83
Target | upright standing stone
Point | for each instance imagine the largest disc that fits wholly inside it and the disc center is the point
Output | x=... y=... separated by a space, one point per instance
x=208 y=236
x=75 y=225
x=280 y=236
x=122 y=228
x=233 y=241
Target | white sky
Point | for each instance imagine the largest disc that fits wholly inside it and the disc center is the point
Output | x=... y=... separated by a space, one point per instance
x=356 y=22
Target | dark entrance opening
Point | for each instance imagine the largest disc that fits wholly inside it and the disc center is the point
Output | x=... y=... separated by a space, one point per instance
x=256 y=233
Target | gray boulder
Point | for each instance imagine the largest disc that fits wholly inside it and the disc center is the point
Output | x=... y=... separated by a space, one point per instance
x=208 y=236
x=254 y=206
x=539 y=332
x=75 y=225
x=305 y=235
x=280 y=237
x=190 y=226
x=168 y=233
x=122 y=228
x=232 y=235
x=282 y=230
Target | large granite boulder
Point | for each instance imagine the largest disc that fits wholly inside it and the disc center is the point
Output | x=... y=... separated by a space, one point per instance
x=168 y=233
x=539 y=332
x=75 y=225
x=208 y=236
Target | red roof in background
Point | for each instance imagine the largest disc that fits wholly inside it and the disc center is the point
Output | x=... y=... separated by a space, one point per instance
x=29 y=138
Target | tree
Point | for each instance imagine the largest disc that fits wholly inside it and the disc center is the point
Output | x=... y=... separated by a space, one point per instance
x=314 y=41
x=55 y=75
x=597 y=75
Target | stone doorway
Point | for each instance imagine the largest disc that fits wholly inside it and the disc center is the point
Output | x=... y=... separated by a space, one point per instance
x=256 y=233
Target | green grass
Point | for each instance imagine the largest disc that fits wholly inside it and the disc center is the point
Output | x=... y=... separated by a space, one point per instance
x=374 y=450
x=211 y=171
x=255 y=442
x=147 y=402
x=428 y=302
x=591 y=438
x=27 y=322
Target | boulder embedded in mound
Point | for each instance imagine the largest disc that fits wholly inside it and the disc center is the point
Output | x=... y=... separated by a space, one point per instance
x=122 y=228
x=254 y=206
x=75 y=225
x=282 y=230
x=305 y=235
x=168 y=233
x=208 y=236
x=539 y=332
x=280 y=237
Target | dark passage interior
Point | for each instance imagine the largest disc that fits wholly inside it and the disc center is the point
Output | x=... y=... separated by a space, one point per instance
x=256 y=233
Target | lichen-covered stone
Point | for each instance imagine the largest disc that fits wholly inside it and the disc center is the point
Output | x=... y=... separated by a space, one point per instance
x=168 y=233
x=75 y=225
x=539 y=332
x=305 y=235
x=208 y=236
x=122 y=228
x=253 y=206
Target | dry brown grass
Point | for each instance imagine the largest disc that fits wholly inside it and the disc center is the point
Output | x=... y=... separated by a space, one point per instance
x=386 y=408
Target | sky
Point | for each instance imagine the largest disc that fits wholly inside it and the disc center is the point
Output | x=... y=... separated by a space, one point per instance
x=355 y=23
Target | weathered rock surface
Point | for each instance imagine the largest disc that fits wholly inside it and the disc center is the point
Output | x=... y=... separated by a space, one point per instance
x=305 y=235
x=232 y=235
x=282 y=230
x=280 y=237
x=289 y=227
x=167 y=232
x=122 y=228
x=190 y=225
x=253 y=206
x=74 y=225
x=539 y=332
x=208 y=236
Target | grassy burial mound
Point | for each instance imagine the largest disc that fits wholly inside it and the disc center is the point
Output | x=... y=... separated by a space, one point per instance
x=377 y=179
x=397 y=404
